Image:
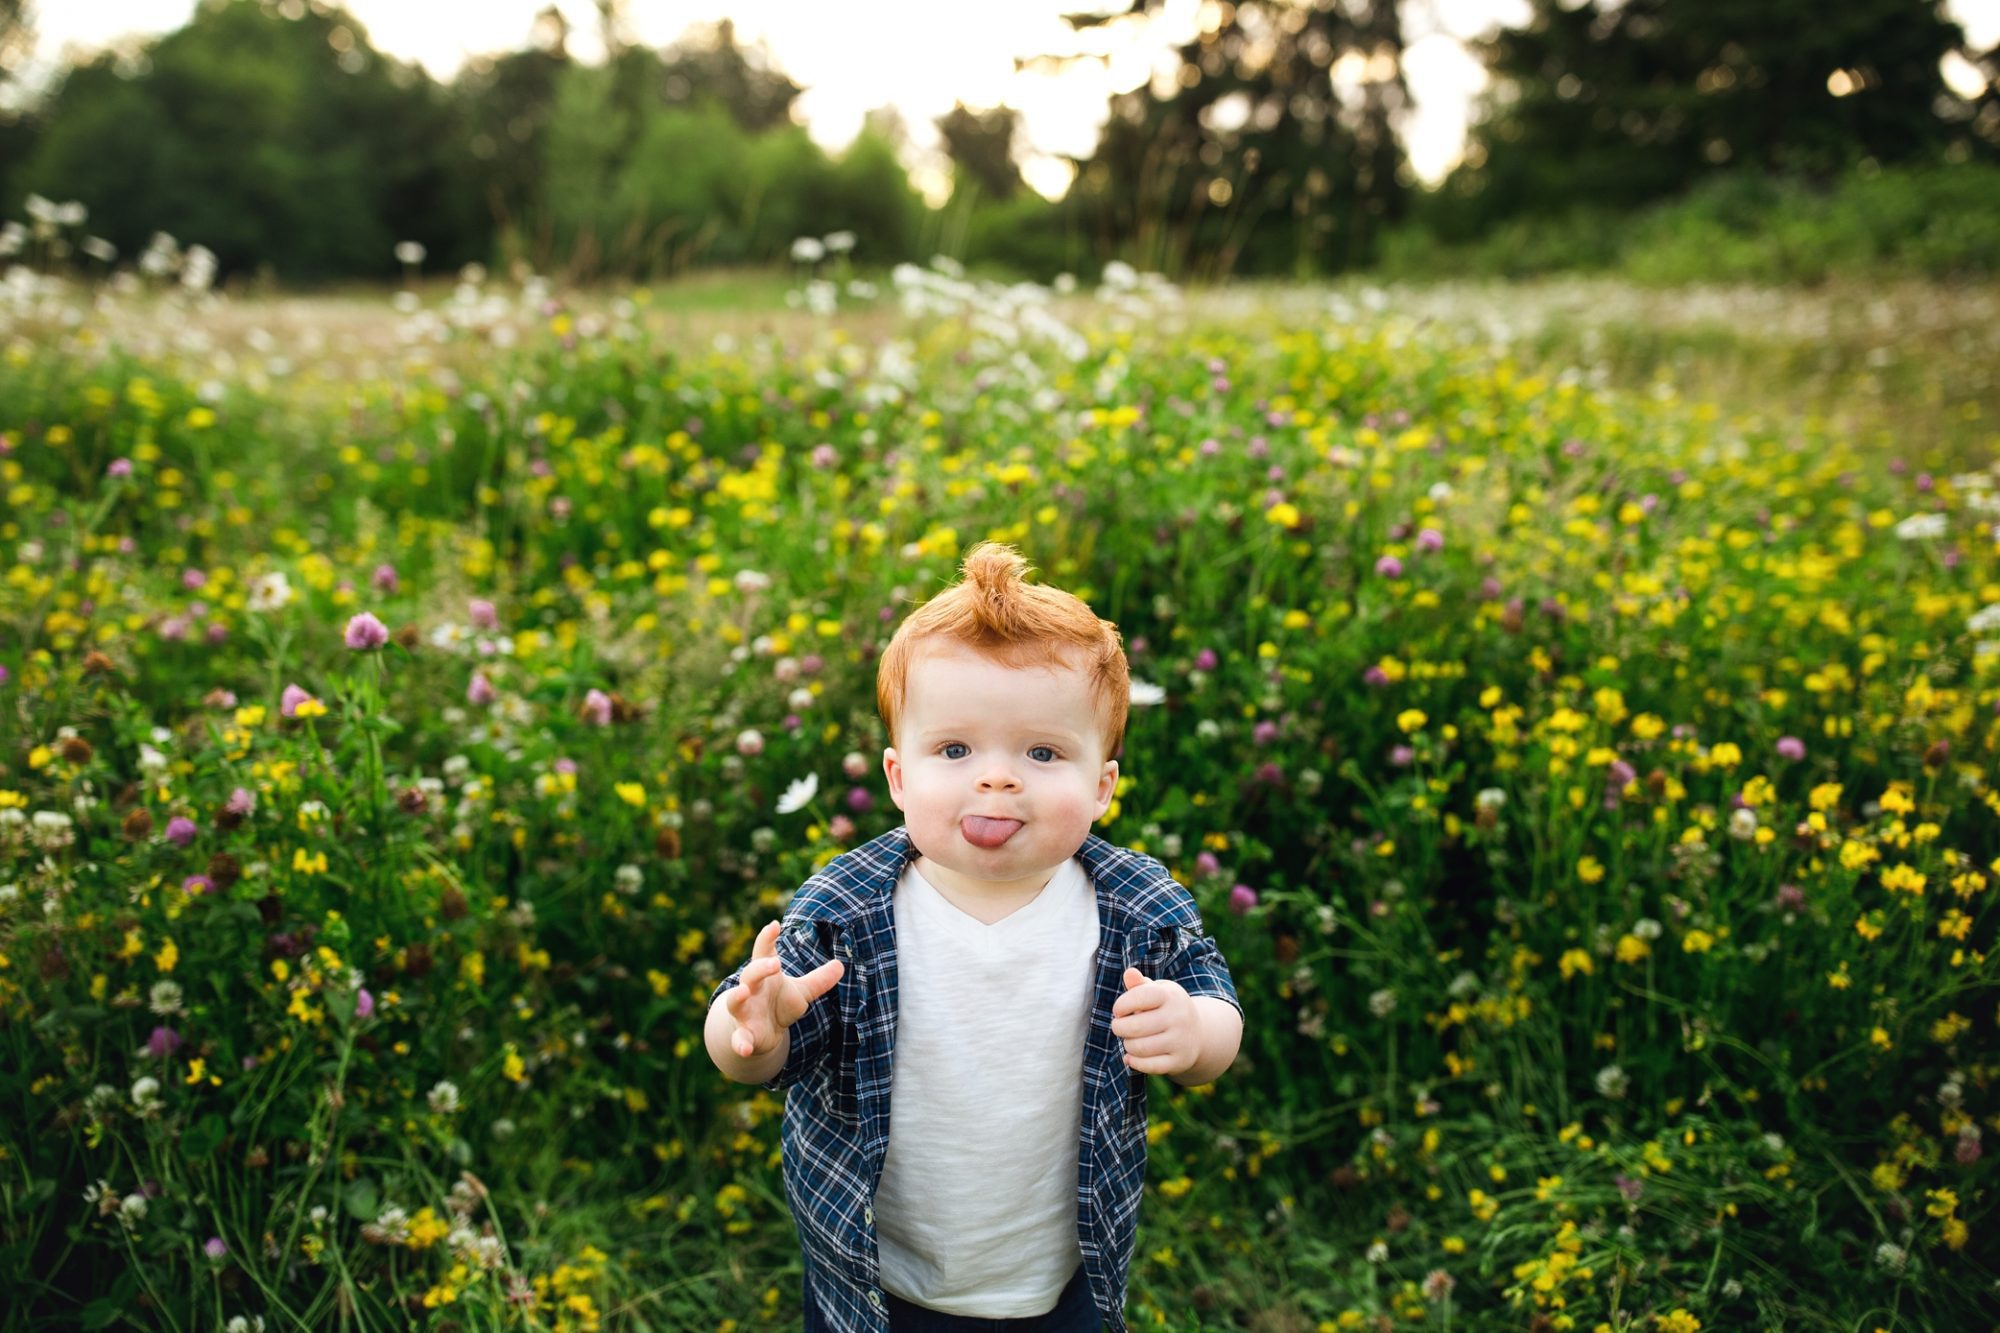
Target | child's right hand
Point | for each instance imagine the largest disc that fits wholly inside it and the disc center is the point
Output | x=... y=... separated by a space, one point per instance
x=765 y=1001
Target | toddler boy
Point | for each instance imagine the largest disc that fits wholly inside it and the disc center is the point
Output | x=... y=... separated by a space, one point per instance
x=966 y=1008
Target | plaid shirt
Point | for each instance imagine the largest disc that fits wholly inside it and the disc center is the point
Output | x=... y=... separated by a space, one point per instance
x=836 y=1126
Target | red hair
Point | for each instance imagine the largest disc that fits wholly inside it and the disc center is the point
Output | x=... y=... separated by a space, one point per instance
x=994 y=611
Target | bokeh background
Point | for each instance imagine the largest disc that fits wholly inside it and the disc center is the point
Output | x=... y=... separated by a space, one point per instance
x=454 y=488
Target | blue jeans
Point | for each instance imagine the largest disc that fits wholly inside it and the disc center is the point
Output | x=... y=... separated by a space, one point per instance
x=1075 y=1312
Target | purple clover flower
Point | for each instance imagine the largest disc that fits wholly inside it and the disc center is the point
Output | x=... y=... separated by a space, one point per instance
x=365 y=633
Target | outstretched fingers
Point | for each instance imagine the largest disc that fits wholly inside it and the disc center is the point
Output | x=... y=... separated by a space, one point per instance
x=822 y=979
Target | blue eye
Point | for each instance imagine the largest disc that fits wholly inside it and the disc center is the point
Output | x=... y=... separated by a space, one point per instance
x=1039 y=750
x=947 y=748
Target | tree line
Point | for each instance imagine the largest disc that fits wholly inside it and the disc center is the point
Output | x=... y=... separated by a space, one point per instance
x=273 y=133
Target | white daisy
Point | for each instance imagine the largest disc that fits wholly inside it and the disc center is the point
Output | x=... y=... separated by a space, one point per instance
x=798 y=794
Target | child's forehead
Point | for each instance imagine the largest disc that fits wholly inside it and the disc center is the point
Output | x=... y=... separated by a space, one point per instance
x=948 y=656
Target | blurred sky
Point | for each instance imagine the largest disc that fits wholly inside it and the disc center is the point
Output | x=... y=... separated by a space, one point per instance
x=940 y=51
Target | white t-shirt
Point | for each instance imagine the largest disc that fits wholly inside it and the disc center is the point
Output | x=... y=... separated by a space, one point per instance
x=976 y=1210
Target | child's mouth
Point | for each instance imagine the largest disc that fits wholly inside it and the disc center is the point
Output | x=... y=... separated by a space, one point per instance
x=983 y=832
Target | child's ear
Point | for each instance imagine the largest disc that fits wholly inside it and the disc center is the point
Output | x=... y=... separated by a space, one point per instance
x=1107 y=787
x=892 y=769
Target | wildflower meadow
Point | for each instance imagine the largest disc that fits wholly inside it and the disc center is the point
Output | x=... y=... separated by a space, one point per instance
x=404 y=722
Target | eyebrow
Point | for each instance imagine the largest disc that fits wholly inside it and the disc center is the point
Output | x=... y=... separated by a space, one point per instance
x=1057 y=733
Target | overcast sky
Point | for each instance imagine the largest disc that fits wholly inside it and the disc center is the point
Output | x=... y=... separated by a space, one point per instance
x=947 y=51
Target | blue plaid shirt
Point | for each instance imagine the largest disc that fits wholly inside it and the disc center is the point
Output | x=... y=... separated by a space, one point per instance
x=836 y=1126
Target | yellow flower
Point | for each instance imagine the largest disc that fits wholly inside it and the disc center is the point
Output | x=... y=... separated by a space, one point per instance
x=426 y=1230
x=1285 y=515
x=314 y=864
x=167 y=956
x=513 y=1067
x=1574 y=961
x=309 y=708
x=1632 y=949
x=1880 y=1037
x=1411 y=719
x=1697 y=941
x=1678 y=1321
x=1589 y=870
x=1905 y=879
x=632 y=793
x=1825 y=796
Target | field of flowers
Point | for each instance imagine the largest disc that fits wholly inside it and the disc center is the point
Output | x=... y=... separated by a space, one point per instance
x=403 y=725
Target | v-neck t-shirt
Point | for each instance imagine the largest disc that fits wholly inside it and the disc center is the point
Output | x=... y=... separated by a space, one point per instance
x=976 y=1209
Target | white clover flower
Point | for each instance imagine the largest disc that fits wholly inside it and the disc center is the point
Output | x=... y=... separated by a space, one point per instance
x=52 y=829
x=807 y=250
x=410 y=252
x=165 y=998
x=1612 y=1082
x=1985 y=620
x=751 y=580
x=146 y=1095
x=628 y=879
x=1382 y=1003
x=198 y=268
x=131 y=1209
x=240 y=1324
x=1920 y=527
x=1743 y=824
x=1891 y=1257
x=1378 y=1252
x=1646 y=928
x=271 y=592
x=800 y=699
x=1144 y=694
x=1490 y=798
x=443 y=1098
x=838 y=242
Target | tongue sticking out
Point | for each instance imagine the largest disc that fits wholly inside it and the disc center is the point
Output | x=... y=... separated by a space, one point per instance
x=983 y=832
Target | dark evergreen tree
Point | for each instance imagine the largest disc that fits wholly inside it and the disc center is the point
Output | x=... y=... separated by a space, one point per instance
x=1619 y=102
x=981 y=147
x=1274 y=148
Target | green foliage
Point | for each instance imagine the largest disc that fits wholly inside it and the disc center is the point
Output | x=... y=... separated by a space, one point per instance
x=1935 y=221
x=1028 y=237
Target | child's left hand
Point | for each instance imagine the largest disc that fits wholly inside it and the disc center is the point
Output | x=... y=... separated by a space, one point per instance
x=1158 y=1024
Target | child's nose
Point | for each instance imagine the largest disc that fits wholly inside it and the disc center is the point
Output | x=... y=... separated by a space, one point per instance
x=999 y=779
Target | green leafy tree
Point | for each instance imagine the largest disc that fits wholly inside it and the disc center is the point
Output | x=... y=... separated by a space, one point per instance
x=273 y=141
